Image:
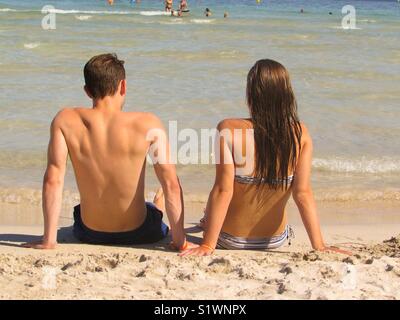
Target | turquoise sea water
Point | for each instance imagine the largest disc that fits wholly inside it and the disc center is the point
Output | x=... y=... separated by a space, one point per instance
x=193 y=70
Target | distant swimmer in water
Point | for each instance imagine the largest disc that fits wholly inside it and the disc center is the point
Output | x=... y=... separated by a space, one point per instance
x=226 y=15
x=302 y=10
x=110 y=2
x=207 y=12
x=168 y=5
x=176 y=13
x=183 y=6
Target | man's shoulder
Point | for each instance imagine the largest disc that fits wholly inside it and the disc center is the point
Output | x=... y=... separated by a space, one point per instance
x=64 y=114
x=144 y=119
x=67 y=112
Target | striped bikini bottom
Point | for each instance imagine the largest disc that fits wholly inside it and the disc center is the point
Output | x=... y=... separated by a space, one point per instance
x=226 y=241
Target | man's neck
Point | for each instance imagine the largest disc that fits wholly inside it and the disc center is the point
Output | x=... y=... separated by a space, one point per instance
x=107 y=104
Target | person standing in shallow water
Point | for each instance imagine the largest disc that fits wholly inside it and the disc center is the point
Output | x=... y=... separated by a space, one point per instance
x=168 y=5
x=183 y=6
x=246 y=207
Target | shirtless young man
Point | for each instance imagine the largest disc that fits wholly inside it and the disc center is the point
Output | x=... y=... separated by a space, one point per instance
x=108 y=149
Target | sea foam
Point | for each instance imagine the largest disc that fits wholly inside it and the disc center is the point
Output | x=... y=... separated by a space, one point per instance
x=202 y=21
x=154 y=13
x=83 y=18
x=7 y=10
x=363 y=165
x=60 y=11
x=31 y=45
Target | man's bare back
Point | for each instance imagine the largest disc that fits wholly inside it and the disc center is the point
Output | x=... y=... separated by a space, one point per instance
x=108 y=150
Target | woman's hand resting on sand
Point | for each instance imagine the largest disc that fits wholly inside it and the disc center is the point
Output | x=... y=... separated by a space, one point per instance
x=333 y=249
x=199 y=252
x=204 y=251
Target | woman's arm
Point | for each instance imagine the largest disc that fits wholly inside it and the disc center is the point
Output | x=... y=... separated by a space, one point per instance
x=304 y=198
x=220 y=197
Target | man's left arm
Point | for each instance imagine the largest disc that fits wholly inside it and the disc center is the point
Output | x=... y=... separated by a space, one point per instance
x=53 y=183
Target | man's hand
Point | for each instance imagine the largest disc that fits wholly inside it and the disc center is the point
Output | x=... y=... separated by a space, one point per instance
x=189 y=245
x=43 y=245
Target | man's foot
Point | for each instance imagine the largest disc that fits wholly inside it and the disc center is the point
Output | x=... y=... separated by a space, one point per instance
x=159 y=200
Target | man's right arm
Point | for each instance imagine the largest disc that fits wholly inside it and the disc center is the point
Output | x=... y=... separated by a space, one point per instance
x=53 y=183
x=166 y=174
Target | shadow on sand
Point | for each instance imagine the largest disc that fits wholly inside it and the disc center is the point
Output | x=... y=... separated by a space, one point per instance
x=66 y=236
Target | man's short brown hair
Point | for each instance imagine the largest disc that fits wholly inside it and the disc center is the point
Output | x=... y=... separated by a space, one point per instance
x=103 y=73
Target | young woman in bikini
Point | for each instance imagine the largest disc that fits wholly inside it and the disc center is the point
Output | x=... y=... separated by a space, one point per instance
x=264 y=160
x=168 y=5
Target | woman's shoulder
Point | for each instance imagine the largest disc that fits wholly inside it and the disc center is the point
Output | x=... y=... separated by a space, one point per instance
x=305 y=134
x=304 y=129
x=234 y=123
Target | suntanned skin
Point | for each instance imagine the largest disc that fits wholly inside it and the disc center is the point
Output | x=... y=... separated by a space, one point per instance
x=107 y=148
x=168 y=5
x=245 y=211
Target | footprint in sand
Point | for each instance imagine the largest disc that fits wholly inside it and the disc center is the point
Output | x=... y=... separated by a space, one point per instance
x=327 y=272
x=220 y=265
x=286 y=270
x=144 y=258
x=281 y=288
x=40 y=263
x=244 y=274
x=311 y=256
x=141 y=274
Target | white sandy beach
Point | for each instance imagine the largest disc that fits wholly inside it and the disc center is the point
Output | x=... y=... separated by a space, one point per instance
x=153 y=272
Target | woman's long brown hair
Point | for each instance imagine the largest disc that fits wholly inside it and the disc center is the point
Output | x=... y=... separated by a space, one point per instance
x=277 y=129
